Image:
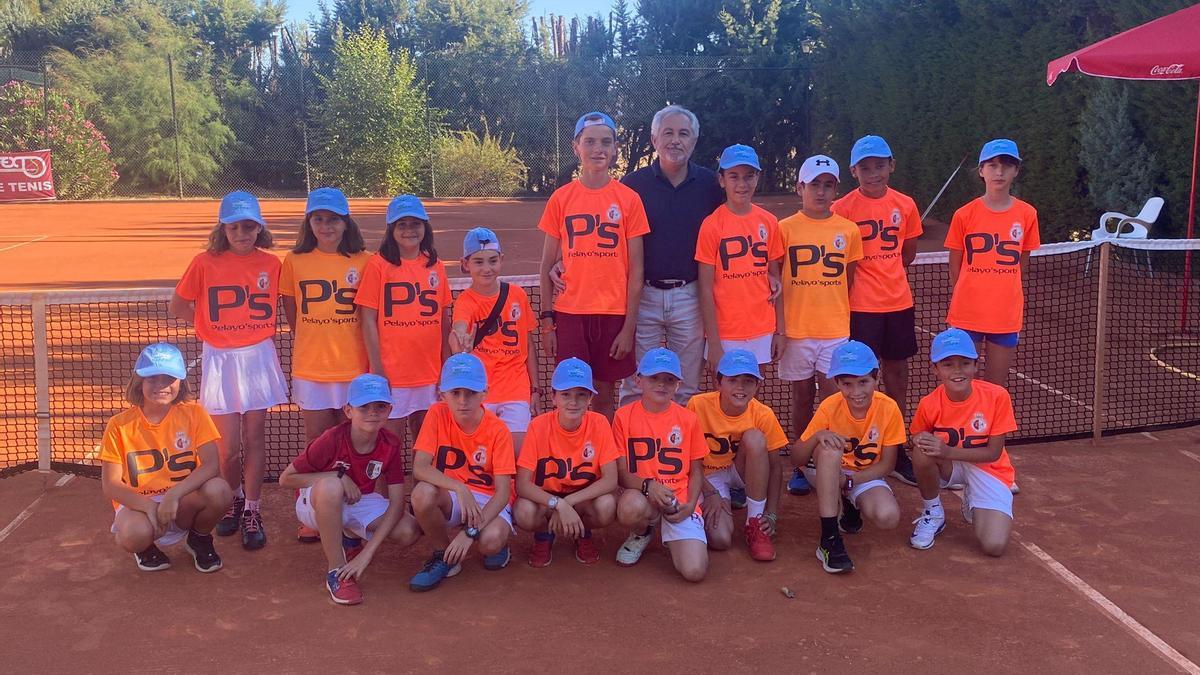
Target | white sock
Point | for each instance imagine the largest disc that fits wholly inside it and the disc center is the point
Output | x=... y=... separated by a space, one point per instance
x=239 y=493
x=754 y=508
x=934 y=507
x=252 y=505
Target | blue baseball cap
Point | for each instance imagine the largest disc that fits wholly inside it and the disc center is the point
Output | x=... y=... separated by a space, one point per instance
x=480 y=239
x=852 y=358
x=738 y=155
x=571 y=373
x=329 y=199
x=161 y=358
x=369 y=388
x=463 y=371
x=406 y=205
x=816 y=165
x=869 y=146
x=660 y=360
x=952 y=342
x=594 y=119
x=997 y=147
x=240 y=205
x=738 y=362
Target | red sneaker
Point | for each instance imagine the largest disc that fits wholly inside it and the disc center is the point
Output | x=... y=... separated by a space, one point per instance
x=543 y=549
x=586 y=551
x=307 y=535
x=758 y=542
x=343 y=591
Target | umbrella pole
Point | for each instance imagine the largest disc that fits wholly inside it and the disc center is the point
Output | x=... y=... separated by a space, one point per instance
x=1187 y=265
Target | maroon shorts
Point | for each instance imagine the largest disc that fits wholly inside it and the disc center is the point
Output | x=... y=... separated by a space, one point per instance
x=590 y=337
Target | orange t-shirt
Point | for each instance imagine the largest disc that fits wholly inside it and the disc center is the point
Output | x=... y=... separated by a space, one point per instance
x=880 y=280
x=593 y=228
x=235 y=296
x=724 y=433
x=988 y=296
x=987 y=412
x=739 y=248
x=816 y=301
x=564 y=461
x=505 y=353
x=865 y=438
x=661 y=446
x=473 y=459
x=410 y=299
x=154 y=457
x=328 y=345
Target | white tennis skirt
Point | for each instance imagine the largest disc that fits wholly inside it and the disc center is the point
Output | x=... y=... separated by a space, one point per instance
x=241 y=379
x=311 y=395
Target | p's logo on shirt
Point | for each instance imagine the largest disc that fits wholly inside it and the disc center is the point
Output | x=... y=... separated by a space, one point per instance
x=959 y=438
x=450 y=458
x=732 y=248
x=889 y=235
x=399 y=293
x=640 y=450
x=585 y=224
x=803 y=255
x=321 y=290
x=720 y=445
x=1008 y=252
x=221 y=298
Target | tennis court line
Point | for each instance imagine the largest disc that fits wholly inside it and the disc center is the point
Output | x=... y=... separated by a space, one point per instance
x=10 y=247
x=1190 y=454
x=1163 y=364
x=24 y=515
x=1114 y=612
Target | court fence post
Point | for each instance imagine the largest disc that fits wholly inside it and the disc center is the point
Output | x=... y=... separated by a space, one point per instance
x=1101 y=339
x=41 y=379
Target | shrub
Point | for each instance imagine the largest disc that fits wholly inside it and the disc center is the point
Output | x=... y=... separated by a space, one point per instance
x=469 y=166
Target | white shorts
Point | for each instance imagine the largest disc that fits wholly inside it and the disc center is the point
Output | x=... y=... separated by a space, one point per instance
x=241 y=379
x=860 y=488
x=724 y=479
x=310 y=395
x=355 y=517
x=481 y=499
x=804 y=357
x=759 y=346
x=173 y=535
x=982 y=490
x=691 y=527
x=408 y=400
x=515 y=414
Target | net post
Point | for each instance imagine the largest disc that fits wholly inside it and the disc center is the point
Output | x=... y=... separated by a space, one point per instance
x=41 y=379
x=1101 y=339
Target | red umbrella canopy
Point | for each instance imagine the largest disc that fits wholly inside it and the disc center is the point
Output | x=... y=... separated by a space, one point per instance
x=1167 y=48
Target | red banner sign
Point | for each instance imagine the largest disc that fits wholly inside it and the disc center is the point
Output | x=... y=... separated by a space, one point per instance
x=26 y=175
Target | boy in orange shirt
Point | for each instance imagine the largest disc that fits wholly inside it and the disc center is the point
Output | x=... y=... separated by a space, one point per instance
x=881 y=302
x=661 y=468
x=596 y=225
x=500 y=341
x=744 y=439
x=568 y=471
x=959 y=432
x=464 y=461
x=738 y=252
x=813 y=313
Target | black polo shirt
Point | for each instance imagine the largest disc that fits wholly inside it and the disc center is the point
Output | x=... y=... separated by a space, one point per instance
x=675 y=214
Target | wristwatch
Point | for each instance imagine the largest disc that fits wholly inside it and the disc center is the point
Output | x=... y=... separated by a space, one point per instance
x=472 y=532
x=646 y=488
x=552 y=503
x=547 y=314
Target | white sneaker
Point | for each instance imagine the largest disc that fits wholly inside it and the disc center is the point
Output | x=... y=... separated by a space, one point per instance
x=633 y=548
x=927 y=527
x=968 y=513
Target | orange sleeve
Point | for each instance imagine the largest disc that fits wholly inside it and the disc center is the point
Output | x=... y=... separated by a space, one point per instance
x=537 y=437
x=110 y=444
x=618 y=431
x=954 y=236
x=769 y=424
x=443 y=290
x=368 y=286
x=527 y=322
x=287 y=280
x=635 y=219
x=551 y=221
x=819 y=422
x=774 y=240
x=707 y=240
x=698 y=447
x=191 y=285
x=608 y=450
x=464 y=309
x=431 y=431
x=854 y=250
x=1033 y=236
x=923 y=419
x=912 y=220
x=893 y=431
x=204 y=430
x=504 y=461
x=1003 y=419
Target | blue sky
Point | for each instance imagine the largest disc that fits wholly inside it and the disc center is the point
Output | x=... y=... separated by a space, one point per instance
x=299 y=10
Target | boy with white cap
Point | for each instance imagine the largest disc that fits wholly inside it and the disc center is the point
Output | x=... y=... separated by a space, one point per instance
x=821 y=250
x=959 y=432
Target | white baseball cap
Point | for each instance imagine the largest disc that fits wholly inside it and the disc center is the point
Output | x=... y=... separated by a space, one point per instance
x=816 y=165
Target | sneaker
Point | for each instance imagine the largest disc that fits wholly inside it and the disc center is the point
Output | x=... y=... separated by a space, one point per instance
x=967 y=512
x=343 y=591
x=307 y=535
x=152 y=560
x=1015 y=489
x=798 y=484
x=229 y=522
x=833 y=556
x=432 y=574
x=498 y=560
x=760 y=545
x=543 y=549
x=927 y=527
x=904 y=471
x=633 y=548
x=737 y=498
x=352 y=546
x=851 y=521
x=204 y=554
x=586 y=551
x=254 y=536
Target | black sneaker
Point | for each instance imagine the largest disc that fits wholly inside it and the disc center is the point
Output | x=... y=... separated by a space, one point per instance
x=229 y=522
x=851 y=521
x=152 y=560
x=204 y=554
x=904 y=469
x=254 y=536
x=737 y=498
x=833 y=556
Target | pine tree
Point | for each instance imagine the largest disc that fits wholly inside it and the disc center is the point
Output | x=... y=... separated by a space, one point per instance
x=1121 y=170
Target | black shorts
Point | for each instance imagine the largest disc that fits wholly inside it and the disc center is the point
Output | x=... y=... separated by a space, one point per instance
x=891 y=335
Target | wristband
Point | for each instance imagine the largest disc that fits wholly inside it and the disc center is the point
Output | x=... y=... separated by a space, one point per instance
x=773 y=517
x=547 y=314
x=646 y=488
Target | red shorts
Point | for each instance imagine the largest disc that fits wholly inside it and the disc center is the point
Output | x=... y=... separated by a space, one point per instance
x=590 y=337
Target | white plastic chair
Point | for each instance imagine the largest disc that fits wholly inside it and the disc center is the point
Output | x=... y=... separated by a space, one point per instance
x=1127 y=227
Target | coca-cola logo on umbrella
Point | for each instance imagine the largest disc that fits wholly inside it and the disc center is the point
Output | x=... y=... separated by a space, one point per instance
x=1173 y=69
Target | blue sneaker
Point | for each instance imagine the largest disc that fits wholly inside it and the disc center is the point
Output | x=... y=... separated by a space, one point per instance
x=432 y=574
x=737 y=498
x=498 y=560
x=798 y=484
